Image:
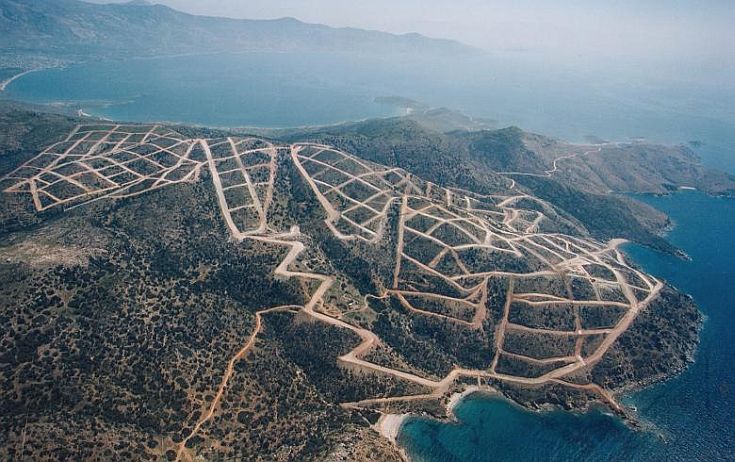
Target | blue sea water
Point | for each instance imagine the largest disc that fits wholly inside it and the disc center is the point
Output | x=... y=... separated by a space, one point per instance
x=295 y=89
x=252 y=89
x=694 y=414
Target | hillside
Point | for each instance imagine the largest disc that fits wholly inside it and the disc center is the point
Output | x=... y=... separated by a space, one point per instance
x=636 y=167
x=472 y=160
x=176 y=293
x=601 y=168
x=75 y=30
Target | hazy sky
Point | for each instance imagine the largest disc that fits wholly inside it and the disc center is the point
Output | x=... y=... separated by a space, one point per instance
x=669 y=28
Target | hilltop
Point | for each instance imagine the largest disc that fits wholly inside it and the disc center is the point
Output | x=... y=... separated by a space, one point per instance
x=176 y=292
x=480 y=159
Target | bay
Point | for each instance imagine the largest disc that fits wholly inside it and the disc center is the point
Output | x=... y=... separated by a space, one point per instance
x=692 y=413
x=570 y=101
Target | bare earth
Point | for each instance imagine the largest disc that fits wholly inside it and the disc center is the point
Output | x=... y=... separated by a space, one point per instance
x=116 y=161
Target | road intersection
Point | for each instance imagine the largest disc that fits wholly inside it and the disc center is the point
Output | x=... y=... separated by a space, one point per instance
x=463 y=240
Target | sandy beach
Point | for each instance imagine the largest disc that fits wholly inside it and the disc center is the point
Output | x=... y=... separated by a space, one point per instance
x=390 y=424
x=457 y=398
x=4 y=84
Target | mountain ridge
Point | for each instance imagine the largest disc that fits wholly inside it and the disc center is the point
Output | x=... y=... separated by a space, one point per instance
x=75 y=30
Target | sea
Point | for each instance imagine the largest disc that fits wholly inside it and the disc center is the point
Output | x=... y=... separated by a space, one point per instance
x=572 y=101
x=693 y=415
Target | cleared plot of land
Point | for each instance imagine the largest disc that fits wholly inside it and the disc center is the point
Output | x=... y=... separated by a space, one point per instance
x=450 y=245
x=355 y=194
x=566 y=300
x=104 y=161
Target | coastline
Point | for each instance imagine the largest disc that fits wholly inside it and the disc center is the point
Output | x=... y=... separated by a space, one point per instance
x=5 y=83
x=457 y=398
x=389 y=425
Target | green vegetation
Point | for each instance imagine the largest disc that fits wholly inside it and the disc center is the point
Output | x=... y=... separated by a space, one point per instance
x=158 y=324
x=470 y=161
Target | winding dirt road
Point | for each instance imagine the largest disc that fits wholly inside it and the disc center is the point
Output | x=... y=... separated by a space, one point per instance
x=356 y=197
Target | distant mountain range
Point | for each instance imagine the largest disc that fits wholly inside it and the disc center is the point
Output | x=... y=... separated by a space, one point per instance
x=72 y=29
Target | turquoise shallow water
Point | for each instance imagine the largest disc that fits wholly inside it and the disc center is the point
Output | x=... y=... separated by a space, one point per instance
x=694 y=412
x=492 y=429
